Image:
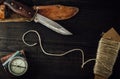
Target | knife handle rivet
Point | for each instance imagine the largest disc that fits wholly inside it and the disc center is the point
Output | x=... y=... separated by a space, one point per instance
x=58 y=6
x=29 y=13
x=12 y=3
x=20 y=8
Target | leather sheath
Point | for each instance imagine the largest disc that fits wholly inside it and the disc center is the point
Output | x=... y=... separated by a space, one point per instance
x=53 y=12
x=2 y=11
x=57 y=12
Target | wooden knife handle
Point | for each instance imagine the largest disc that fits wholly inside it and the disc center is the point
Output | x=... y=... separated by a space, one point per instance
x=19 y=8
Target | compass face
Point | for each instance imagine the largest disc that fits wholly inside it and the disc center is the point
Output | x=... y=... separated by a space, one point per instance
x=18 y=66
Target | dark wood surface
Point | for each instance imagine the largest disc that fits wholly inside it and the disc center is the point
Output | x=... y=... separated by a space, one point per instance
x=87 y=26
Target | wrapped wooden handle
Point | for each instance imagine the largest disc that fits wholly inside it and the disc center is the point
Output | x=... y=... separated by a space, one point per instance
x=57 y=12
x=99 y=77
x=20 y=8
x=107 y=53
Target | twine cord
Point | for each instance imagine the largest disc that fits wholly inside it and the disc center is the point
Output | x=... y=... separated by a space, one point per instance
x=53 y=54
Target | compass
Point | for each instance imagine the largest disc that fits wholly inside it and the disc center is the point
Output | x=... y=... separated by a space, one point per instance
x=17 y=66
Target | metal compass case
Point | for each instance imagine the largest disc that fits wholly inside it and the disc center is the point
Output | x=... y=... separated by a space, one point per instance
x=80 y=32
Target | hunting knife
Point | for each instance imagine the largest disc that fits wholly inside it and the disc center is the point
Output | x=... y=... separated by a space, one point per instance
x=28 y=12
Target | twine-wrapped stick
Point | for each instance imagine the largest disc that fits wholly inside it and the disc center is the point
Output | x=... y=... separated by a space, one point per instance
x=107 y=53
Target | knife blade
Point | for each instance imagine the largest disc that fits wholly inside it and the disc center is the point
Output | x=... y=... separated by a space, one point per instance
x=28 y=12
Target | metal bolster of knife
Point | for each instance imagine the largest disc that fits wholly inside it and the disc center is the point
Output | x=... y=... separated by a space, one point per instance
x=19 y=8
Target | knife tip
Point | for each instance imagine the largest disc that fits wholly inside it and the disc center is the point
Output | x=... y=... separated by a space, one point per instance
x=69 y=33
